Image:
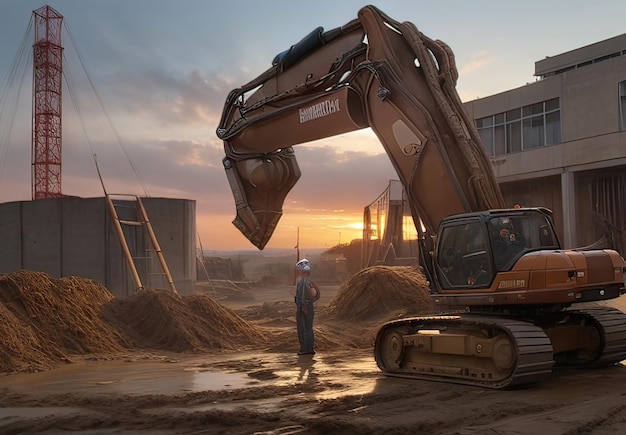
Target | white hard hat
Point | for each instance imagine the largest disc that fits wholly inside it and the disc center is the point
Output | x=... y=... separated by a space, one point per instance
x=303 y=265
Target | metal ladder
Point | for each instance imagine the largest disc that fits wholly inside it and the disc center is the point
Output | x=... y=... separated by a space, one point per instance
x=142 y=220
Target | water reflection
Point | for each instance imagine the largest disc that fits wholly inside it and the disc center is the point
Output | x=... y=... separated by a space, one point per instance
x=350 y=373
x=143 y=377
x=307 y=373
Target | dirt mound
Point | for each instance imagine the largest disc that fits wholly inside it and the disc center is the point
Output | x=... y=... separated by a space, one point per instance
x=328 y=337
x=159 y=319
x=279 y=319
x=273 y=310
x=381 y=290
x=44 y=321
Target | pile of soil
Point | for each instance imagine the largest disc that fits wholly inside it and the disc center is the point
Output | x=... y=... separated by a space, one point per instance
x=329 y=336
x=160 y=319
x=45 y=321
x=280 y=309
x=278 y=319
x=379 y=291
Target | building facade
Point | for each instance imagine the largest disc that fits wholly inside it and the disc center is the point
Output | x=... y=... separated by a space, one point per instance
x=560 y=142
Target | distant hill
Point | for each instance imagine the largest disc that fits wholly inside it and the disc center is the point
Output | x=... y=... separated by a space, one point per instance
x=268 y=266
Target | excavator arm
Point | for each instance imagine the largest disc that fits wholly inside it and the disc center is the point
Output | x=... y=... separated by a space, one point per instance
x=372 y=72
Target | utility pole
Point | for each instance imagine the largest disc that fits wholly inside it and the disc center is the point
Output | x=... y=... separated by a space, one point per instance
x=297 y=254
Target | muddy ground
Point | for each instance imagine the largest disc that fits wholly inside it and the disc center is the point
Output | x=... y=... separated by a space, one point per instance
x=268 y=389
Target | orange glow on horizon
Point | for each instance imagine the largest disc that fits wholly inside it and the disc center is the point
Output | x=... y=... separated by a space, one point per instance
x=317 y=231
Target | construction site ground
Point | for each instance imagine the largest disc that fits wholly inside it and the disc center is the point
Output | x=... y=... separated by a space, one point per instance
x=260 y=385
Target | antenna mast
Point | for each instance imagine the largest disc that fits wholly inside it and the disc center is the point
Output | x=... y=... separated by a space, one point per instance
x=47 y=75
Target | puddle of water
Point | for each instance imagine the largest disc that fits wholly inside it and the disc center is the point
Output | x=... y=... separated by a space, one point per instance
x=124 y=378
x=203 y=380
x=349 y=376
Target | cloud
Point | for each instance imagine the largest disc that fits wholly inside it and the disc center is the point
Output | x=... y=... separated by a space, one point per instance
x=162 y=73
x=168 y=98
x=327 y=169
x=477 y=62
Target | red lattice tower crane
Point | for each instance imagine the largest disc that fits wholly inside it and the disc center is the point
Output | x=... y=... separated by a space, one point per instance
x=47 y=79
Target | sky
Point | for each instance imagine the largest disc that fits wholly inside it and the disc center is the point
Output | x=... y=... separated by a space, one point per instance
x=145 y=84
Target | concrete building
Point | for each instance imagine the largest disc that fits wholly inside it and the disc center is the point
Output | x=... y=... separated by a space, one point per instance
x=78 y=236
x=560 y=142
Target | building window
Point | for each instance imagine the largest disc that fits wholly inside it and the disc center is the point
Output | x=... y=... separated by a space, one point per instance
x=622 y=106
x=485 y=130
x=525 y=128
x=533 y=132
x=513 y=136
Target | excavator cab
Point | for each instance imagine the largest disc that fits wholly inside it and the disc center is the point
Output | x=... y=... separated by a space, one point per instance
x=474 y=247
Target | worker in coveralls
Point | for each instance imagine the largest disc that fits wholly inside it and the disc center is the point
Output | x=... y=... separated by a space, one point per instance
x=307 y=292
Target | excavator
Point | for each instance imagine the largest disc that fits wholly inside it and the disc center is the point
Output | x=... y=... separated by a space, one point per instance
x=514 y=303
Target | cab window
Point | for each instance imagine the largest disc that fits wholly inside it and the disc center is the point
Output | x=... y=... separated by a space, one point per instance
x=462 y=256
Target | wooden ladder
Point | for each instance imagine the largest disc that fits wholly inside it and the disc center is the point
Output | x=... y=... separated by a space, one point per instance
x=142 y=220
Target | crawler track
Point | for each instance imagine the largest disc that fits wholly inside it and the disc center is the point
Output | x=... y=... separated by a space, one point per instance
x=612 y=325
x=470 y=349
x=499 y=352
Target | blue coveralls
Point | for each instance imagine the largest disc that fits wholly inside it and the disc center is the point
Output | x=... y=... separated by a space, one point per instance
x=304 y=318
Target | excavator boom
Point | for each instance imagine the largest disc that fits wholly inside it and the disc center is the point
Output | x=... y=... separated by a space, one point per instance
x=373 y=72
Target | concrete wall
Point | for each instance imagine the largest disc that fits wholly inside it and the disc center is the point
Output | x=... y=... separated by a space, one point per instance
x=76 y=236
x=174 y=222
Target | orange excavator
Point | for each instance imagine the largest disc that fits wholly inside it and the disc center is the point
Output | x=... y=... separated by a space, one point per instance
x=501 y=273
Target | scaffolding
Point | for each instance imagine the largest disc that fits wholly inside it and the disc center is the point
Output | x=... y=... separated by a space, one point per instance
x=389 y=233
